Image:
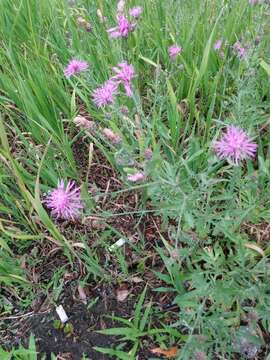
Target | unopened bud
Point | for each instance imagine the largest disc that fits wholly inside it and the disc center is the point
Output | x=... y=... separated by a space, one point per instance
x=121 y=6
x=102 y=18
x=84 y=124
x=111 y=136
x=148 y=154
x=137 y=177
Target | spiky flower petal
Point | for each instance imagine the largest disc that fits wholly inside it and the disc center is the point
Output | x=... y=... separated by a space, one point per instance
x=124 y=74
x=104 y=95
x=65 y=202
x=135 y=11
x=235 y=145
x=75 y=67
x=174 y=50
x=123 y=28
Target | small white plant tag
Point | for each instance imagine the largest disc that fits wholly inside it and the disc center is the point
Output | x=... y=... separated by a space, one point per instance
x=117 y=244
x=62 y=314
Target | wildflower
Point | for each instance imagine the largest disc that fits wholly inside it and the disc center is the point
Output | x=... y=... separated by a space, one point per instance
x=75 y=67
x=235 y=145
x=65 y=202
x=135 y=12
x=173 y=51
x=104 y=95
x=84 y=124
x=122 y=29
x=218 y=45
x=241 y=51
x=137 y=177
x=111 y=136
x=124 y=74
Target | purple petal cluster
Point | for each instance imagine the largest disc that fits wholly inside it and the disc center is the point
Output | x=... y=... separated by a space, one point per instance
x=218 y=45
x=65 y=202
x=135 y=12
x=173 y=51
x=105 y=94
x=124 y=74
x=235 y=145
x=75 y=67
x=240 y=50
x=123 y=28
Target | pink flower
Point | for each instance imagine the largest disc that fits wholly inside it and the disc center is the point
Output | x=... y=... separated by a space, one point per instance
x=241 y=51
x=135 y=11
x=235 y=145
x=218 y=45
x=124 y=74
x=65 y=203
x=104 y=95
x=123 y=28
x=137 y=177
x=75 y=67
x=173 y=51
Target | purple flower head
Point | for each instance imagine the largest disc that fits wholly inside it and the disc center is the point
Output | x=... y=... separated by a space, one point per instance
x=235 y=145
x=65 y=202
x=218 y=45
x=75 y=67
x=135 y=12
x=240 y=50
x=104 y=95
x=123 y=28
x=174 y=50
x=137 y=177
x=124 y=74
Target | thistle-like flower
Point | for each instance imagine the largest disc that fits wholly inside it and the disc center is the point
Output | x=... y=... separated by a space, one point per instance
x=75 y=67
x=240 y=50
x=65 y=202
x=173 y=51
x=218 y=44
x=124 y=74
x=104 y=95
x=123 y=28
x=235 y=145
x=135 y=12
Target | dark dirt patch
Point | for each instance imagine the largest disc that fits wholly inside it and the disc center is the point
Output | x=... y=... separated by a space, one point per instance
x=85 y=322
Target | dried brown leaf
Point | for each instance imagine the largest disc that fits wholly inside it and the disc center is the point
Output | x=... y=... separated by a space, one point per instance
x=168 y=353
